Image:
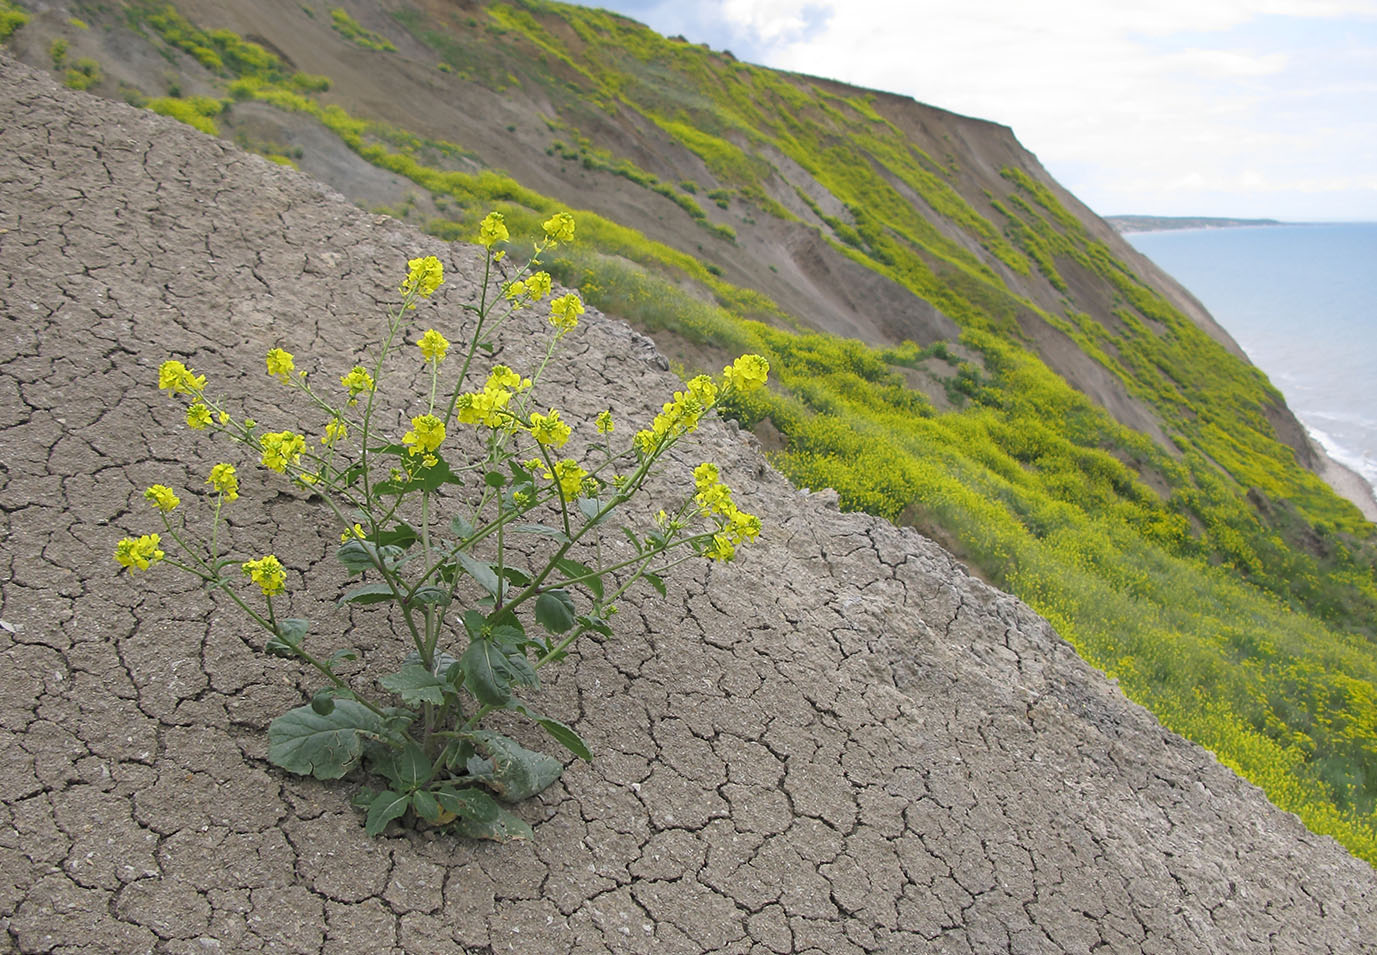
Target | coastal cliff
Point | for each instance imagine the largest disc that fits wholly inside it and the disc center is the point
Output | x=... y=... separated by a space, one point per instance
x=842 y=743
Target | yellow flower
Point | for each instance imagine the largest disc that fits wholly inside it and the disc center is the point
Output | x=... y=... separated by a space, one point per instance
x=559 y=228
x=503 y=377
x=280 y=449
x=549 y=430
x=721 y=548
x=426 y=434
x=268 y=573
x=223 y=479
x=334 y=431
x=743 y=526
x=513 y=290
x=357 y=381
x=174 y=377
x=198 y=416
x=565 y=312
x=161 y=497
x=492 y=230
x=747 y=373
x=704 y=390
x=568 y=475
x=538 y=285
x=485 y=407
x=425 y=276
x=280 y=364
x=604 y=422
x=433 y=346
x=138 y=553
x=354 y=533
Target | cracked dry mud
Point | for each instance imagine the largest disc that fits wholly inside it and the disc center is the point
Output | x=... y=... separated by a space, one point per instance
x=841 y=743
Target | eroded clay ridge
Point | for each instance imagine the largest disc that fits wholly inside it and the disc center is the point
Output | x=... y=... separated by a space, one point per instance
x=840 y=744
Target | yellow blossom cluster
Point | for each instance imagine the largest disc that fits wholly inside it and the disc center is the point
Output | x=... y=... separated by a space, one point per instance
x=281 y=449
x=268 y=573
x=162 y=497
x=558 y=228
x=679 y=416
x=488 y=407
x=549 y=430
x=358 y=380
x=335 y=431
x=714 y=499
x=569 y=476
x=426 y=435
x=433 y=346
x=565 y=312
x=223 y=479
x=281 y=364
x=425 y=275
x=139 y=553
x=175 y=378
x=533 y=287
x=492 y=230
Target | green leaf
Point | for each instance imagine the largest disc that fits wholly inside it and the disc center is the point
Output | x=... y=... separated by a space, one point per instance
x=461 y=527
x=563 y=734
x=430 y=594
x=415 y=685
x=573 y=568
x=385 y=807
x=426 y=806
x=489 y=672
x=369 y=594
x=323 y=702
x=304 y=742
x=287 y=640
x=554 y=611
x=517 y=772
x=591 y=507
x=635 y=541
x=412 y=767
x=480 y=571
x=360 y=555
x=518 y=577
x=481 y=817
x=596 y=624
x=403 y=535
x=656 y=581
x=494 y=479
x=541 y=529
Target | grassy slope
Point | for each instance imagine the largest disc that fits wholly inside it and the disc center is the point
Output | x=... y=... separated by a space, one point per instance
x=1246 y=625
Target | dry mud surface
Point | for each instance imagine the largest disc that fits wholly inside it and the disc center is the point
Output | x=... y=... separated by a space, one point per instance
x=841 y=743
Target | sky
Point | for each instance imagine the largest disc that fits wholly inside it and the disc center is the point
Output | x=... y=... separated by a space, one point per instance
x=1247 y=108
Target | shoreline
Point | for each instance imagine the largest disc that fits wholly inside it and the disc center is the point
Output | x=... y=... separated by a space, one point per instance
x=1346 y=482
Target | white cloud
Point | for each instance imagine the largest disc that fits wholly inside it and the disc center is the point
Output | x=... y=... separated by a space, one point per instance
x=1156 y=101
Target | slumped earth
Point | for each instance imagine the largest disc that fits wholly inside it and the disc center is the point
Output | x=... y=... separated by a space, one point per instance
x=841 y=743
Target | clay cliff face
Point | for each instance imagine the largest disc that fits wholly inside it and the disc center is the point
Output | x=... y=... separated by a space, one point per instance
x=842 y=743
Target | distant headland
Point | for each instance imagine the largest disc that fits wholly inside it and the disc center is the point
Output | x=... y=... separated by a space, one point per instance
x=1164 y=223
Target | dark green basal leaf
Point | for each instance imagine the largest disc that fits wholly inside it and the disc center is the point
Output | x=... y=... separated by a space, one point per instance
x=490 y=672
x=517 y=772
x=307 y=743
x=411 y=767
x=554 y=611
x=480 y=571
x=573 y=568
x=426 y=806
x=385 y=807
x=369 y=594
x=415 y=685
x=498 y=824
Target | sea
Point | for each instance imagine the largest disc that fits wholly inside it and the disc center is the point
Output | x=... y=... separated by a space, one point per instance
x=1301 y=300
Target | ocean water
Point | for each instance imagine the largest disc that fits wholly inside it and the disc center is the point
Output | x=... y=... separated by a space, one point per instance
x=1301 y=300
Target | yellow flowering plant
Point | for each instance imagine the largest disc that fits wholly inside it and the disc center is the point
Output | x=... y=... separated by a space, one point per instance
x=429 y=522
